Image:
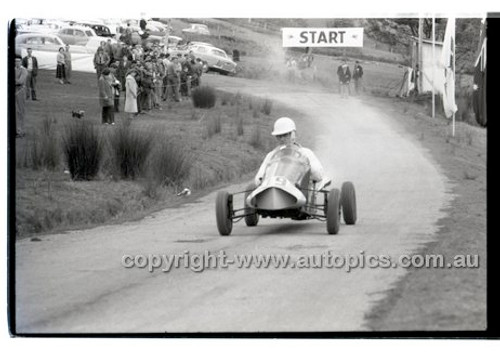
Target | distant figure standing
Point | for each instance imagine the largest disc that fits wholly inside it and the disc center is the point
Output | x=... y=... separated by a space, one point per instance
x=101 y=61
x=344 y=74
x=30 y=63
x=143 y=24
x=131 y=94
x=358 y=77
x=68 y=66
x=107 y=97
x=21 y=75
x=61 y=66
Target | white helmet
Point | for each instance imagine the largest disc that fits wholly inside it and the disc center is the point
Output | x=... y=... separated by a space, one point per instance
x=283 y=126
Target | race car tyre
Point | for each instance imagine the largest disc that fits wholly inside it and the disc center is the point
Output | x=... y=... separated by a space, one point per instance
x=348 y=203
x=251 y=216
x=333 y=212
x=223 y=210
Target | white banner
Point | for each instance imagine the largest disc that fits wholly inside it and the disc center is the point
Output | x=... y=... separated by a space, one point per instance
x=448 y=66
x=322 y=37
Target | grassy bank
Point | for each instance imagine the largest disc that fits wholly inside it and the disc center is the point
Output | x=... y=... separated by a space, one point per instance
x=219 y=145
x=443 y=299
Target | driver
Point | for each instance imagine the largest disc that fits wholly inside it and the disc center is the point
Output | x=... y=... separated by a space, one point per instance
x=285 y=132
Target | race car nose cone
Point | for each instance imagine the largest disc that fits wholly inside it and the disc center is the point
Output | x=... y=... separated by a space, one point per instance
x=275 y=199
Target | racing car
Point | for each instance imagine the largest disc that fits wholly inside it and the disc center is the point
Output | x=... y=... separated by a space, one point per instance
x=286 y=191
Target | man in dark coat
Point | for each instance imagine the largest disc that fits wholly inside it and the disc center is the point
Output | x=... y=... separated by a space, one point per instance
x=357 y=76
x=30 y=63
x=344 y=75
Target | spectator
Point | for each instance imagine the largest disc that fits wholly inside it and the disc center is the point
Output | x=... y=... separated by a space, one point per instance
x=166 y=62
x=61 y=66
x=131 y=94
x=123 y=68
x=101 y=61
x=116 y=87
x=30 y=63
x=159 y=75
x=173 y=70
x=358 y=77
x=68 y=66
x=21 y=75
x=344 y=74
x=107 y=97
x=143 y=24
x=147 y=87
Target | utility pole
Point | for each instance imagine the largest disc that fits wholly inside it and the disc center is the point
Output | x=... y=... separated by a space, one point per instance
x=433 y=66
x=420 y=55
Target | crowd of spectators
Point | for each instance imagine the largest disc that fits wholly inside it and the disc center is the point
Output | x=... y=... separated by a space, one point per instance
x=159 y=76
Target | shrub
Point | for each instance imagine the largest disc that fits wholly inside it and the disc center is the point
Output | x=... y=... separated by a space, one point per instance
x=267 y=106
x=83 y=150
x=130 y=149
x=239 y=123
x=256 y=139
x=204 y=97
x=42 y=151
x=213 y=125
x=171 y=162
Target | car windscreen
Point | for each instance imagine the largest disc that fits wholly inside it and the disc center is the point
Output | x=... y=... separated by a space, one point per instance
x=289 y=163
x=219 y=53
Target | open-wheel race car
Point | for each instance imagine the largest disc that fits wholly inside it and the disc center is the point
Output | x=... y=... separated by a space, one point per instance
x=286 y=191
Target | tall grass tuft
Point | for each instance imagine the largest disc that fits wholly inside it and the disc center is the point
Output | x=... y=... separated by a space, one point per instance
x=256 y=139
x=83 y=150
x=171 y=162
x=239 y=122
x=42 y=150
x=130 y=149
x=204 y=97
x=267 y=107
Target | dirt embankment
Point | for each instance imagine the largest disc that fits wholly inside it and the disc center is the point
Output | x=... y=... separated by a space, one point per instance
x=443 y=299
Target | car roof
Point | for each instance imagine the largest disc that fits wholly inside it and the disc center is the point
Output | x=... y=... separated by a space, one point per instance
x=36 y=34
x=78 y=27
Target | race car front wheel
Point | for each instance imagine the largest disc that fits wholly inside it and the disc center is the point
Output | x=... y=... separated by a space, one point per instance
x=333 y=212
x=223 y=212
x=348 y=203
x=251 y=216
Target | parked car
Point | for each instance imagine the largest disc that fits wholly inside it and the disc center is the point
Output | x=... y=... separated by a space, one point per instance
x=78 y=35
x=100 y=29
x=46 y=27
x=216 y=59
x=37 y=42
x=197 y=29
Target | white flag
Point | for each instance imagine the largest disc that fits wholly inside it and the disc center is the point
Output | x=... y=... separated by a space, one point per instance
x=448 y=67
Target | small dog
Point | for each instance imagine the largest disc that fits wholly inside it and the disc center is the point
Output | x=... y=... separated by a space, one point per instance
x=78 y=114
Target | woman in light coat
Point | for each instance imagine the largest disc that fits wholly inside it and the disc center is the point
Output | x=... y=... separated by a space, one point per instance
x=131 y=94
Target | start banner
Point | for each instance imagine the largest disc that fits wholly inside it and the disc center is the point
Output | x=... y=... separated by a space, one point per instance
x=322 y=37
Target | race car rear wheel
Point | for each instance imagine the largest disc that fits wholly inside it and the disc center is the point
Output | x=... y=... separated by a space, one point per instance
x=348 y=203
x=223 y=211
x=251 y=216
x=333 y=212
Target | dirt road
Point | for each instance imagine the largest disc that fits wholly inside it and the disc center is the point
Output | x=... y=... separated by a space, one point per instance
x=75 y=282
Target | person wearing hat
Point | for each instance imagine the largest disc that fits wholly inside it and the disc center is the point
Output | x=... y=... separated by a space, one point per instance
x=107 y=96
x=131 y=93
x=285 y=132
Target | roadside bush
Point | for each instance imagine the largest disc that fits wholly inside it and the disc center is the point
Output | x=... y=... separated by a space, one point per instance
x=213 y=125
x=170 y=163
x=267 y=106
x=204 y=97
x=130 y=149
x=83 y=150
x=256 y=139
x=42 y=150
